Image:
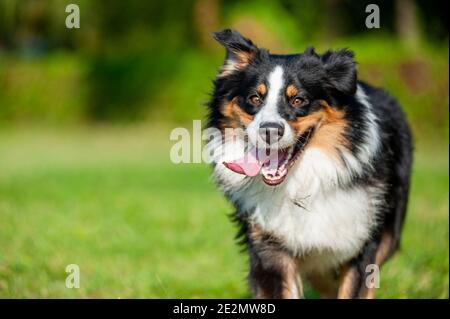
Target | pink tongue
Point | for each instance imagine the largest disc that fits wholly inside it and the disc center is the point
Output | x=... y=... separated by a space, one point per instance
x=247 y=165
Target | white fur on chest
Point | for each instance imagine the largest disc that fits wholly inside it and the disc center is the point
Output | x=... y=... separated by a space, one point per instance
x=334 y=225
x=308 y=211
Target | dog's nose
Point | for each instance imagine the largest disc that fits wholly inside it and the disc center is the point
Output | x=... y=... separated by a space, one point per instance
x=271 y=131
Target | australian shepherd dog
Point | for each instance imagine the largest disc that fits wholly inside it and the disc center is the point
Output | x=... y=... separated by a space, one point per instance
x=317 y=165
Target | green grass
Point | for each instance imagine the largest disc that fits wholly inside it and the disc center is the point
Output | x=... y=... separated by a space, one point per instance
x=109 y=200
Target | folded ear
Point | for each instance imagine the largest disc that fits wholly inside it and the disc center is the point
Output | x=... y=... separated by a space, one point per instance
x=239 y=50
x=340 y=68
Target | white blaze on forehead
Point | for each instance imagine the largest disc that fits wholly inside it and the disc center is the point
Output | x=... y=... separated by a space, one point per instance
x=269 y=112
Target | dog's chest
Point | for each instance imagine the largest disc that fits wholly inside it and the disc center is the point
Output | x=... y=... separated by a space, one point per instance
x=333 y=226
x=317 y=221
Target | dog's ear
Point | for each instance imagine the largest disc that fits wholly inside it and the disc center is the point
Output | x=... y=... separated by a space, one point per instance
x=340 y=68
x=310 y=51
x=240 y=51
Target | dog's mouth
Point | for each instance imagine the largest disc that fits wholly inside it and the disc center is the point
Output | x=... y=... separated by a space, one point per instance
x=272 y=164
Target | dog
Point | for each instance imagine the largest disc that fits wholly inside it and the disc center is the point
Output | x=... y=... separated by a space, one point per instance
x=330 y=208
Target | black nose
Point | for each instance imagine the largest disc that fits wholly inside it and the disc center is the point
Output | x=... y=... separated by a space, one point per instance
x=271 y=131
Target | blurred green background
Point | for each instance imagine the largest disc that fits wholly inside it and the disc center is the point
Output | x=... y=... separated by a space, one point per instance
x=85 y=117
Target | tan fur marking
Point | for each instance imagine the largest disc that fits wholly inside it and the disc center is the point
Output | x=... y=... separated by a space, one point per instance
x=347 y=281
x=347 y=285
x=239 y=62
x=384 y=248
x=261 y=89
x=330 y=126
x=383 y=253
x=245 y=57
x=235 y=116
x=291 y=91
x=292 y=285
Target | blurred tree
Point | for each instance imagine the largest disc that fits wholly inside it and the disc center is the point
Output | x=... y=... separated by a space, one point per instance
x=132 y=52
x=406 y=21
x=206 y=18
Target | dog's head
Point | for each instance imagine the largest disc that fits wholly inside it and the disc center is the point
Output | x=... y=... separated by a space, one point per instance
x=284 y=103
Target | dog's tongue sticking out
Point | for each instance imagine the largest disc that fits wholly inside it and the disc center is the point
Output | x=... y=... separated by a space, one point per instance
x=247 y=165
x=273 y=166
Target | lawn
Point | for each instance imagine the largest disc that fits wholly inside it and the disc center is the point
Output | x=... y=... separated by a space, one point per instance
x=109 y=200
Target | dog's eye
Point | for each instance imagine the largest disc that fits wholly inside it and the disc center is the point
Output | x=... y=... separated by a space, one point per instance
x=255 y=100
x=298 y=101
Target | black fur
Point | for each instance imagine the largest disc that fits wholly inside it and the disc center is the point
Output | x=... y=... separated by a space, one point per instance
x=331 y=77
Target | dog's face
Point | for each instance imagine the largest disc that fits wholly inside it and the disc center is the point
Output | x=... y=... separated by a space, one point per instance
x=284 y=103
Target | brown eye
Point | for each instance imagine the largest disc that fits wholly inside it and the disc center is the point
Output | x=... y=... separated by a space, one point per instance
x=255 y=100
x=297 y=101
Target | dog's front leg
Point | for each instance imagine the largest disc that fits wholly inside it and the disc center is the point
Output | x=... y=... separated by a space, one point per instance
x=354 y=274
x=273 y=270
